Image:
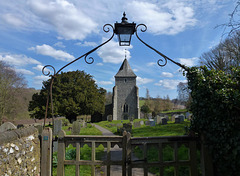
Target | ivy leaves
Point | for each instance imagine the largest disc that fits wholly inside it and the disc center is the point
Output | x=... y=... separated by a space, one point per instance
x=216 y=114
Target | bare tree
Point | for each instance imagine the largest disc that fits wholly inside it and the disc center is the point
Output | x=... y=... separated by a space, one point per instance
x=10 y=84
x=225 y=55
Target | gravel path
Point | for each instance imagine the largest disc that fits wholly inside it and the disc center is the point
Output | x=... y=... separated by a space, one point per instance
x=116 y=154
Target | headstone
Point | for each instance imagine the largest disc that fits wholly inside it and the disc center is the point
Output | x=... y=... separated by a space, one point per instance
x=182 y=117
x=151 y=122
x=84 y=124
x=76 y=126
x=109 y=118
x=177 y=120
x=147 y=123
x=164 y=121
x=7 y=126
x=173 y=117
x=167 y=117
x=141 y=122
x=136 y=124
x=57 y=127
x=158 y=120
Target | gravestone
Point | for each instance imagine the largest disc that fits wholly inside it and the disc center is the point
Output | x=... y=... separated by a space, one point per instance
x=76 y=126
x=136 y=124
x=182 y=117
x=158 y=120
x=141 y=122
x=167 y=117
x=147 y=123
x=177 y=120
x=164 y=121
x=173 y=117
x=84 y=124
x=151 y=122
x=7 y=126
x=109 y=118
x=57 y=127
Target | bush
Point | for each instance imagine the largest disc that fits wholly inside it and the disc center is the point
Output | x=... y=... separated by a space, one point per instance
x=216 y=115
x=65 y=122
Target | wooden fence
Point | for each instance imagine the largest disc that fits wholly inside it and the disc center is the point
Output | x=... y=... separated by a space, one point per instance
x=127 y=144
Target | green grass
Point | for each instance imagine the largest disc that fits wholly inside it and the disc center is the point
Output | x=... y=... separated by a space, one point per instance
x=176 y=110
x=171 y=129
x=141 y=103
x=89 y=130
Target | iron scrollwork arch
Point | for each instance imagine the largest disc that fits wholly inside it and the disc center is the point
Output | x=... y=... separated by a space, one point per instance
x=88 y=60
x=161 y=62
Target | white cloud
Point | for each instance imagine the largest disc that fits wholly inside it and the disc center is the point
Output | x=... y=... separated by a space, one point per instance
x=169 y=83
x=24 y=71
x=50 y=51
x=12 y=19
x=113 y=53
x=189 y=61
x=59 y=44
x=141 y=81
x=135 y=70
x=99 y=64
x=105 y=82
x=69 y=20
x=17 y=60
x=39 y=79
x=93 y=44
x=151 y=64
x=170 y=17
x=167 y=74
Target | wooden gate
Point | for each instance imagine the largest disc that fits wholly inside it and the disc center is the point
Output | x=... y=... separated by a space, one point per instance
x=127 y=145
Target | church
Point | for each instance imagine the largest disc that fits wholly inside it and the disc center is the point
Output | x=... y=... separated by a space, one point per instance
x=125 y=101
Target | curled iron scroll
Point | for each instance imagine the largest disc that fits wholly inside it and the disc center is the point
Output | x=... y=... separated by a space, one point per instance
x=161 y=62
x=46 y=71
x=106 y=28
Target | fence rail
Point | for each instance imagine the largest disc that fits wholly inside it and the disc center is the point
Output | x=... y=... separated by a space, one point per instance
x=127 y=146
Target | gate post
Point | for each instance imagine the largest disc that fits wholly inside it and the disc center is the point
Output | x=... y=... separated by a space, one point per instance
x=206 y=159
x=46 y=152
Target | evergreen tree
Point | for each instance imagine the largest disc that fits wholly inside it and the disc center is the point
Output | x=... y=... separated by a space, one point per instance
x=74 y=93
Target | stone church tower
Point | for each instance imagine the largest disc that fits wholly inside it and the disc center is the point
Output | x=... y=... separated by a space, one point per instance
x=125 y=94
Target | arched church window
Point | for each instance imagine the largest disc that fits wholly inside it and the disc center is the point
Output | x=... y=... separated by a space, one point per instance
x=125 y=80
x=125 y=108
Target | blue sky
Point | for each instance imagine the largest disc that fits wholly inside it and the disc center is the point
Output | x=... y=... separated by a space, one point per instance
x=35 y=33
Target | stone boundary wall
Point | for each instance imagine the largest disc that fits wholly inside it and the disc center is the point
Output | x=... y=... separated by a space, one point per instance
x=20 y=152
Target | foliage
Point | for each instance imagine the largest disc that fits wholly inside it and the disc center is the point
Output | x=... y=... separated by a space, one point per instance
x=215 y=108
x=65 y=122
x=74 y=93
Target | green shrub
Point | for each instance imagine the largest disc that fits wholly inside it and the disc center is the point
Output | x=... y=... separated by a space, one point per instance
x=215 y=108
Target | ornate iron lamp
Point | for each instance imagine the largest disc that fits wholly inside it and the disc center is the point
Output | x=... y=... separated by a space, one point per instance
x=124 y=30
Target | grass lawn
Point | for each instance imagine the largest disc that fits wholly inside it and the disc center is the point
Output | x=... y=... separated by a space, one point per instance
x=171 y=129
x=89 y=130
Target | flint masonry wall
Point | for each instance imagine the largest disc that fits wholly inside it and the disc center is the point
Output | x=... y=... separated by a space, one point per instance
x=20 y=152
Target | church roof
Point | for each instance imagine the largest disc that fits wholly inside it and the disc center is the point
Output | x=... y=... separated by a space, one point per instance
x=125 y=70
